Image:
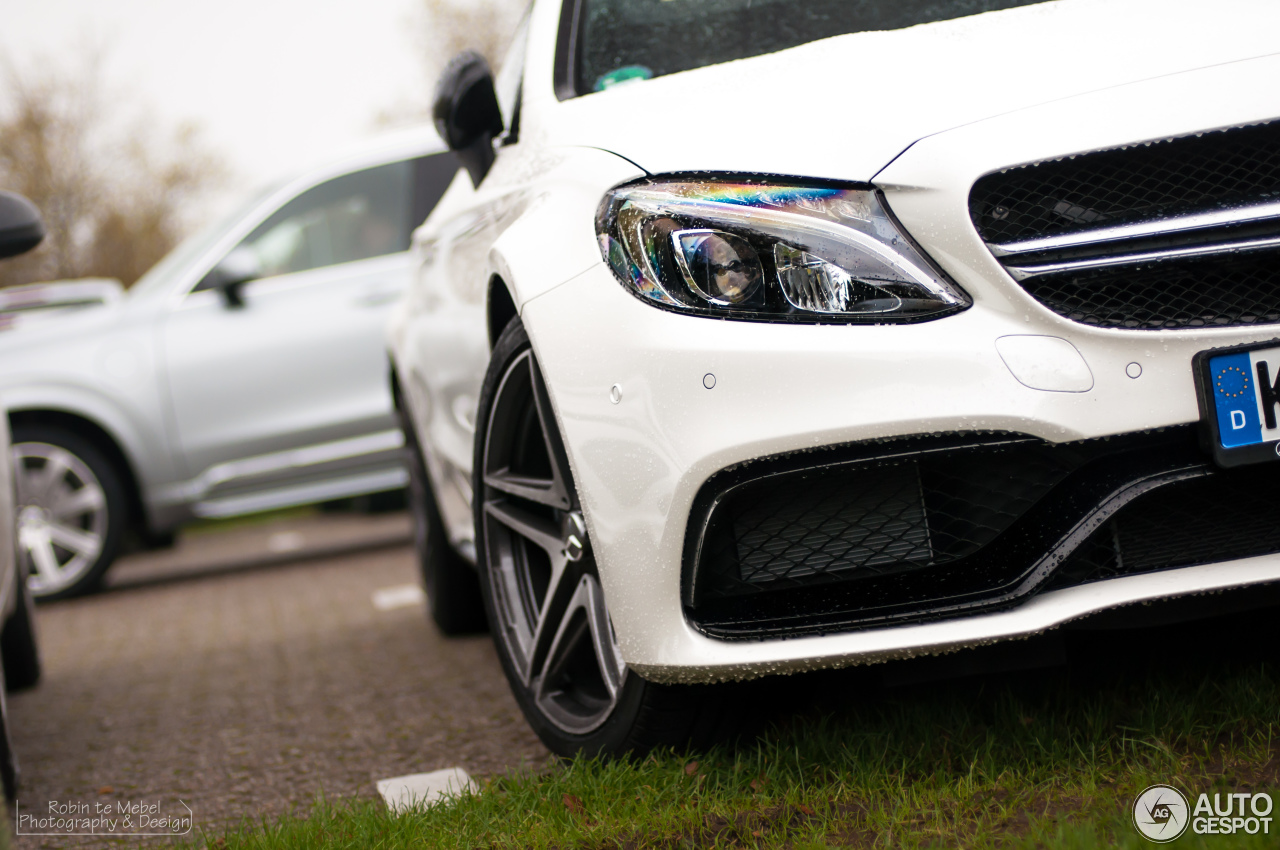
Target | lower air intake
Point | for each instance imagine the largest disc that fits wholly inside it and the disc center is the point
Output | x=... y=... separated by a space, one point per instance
x=925 y=528
x=833 y=529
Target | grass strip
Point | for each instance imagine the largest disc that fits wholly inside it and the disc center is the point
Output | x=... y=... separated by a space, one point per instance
x=1050 y=759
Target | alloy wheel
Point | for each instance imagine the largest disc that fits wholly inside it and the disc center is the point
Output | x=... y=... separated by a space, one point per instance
x=62 y=516
x=546 y=594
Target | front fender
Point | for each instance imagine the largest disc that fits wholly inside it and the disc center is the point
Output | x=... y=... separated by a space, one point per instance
x=143 y=442
x=562 y=202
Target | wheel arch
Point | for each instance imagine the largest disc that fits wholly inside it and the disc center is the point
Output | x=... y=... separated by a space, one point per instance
x=103 y=440
x=500 y=308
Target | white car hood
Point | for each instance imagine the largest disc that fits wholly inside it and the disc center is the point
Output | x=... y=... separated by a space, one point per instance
x=845 y=107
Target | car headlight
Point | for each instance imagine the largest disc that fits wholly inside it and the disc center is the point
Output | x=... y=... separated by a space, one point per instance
x=770 y=252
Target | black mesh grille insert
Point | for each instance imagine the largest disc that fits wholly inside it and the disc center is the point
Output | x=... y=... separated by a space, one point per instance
x=871 y=519
x=828 y=528
x=1220 y=517
x=935 y=527
x=1223 y=168
x=1204 y=293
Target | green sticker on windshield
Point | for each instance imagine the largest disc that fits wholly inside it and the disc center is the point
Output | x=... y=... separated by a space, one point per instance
x=625 y=74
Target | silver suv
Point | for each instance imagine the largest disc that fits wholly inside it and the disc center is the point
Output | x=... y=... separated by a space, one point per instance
x=245 y=372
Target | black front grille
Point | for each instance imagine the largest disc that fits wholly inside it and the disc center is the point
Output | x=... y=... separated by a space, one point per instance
x=1118 y=238
x=1151 y=181
x=1194 y=294
x=934 y=527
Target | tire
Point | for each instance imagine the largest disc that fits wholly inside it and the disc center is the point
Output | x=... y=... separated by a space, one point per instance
x=8 y=758
x=18 y=648
x=450 y=583
x=546 y=607
x=69 y=527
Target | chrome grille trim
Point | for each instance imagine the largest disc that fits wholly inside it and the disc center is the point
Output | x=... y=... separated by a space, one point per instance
x=1021 y=273
x=1251 y=214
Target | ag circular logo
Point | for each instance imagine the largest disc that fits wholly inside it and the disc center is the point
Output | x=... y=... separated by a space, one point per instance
x=1160 y=813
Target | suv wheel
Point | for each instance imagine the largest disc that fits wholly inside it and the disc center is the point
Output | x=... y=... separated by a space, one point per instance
x=71 y=511
x=547 y=610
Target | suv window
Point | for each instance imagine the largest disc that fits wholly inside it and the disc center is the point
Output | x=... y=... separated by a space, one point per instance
x=353 y=217
x=625 y=40
x=431 y=177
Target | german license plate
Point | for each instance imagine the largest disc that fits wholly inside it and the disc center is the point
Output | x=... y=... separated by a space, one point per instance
x=1239 y=391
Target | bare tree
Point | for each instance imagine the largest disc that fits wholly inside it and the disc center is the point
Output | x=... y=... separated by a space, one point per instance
x=444 y=28
x=485 y=26
x=113 y=204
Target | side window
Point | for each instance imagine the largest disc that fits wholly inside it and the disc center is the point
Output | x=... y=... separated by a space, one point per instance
x=353 y=217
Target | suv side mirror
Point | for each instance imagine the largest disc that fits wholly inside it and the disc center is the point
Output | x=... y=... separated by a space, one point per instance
x=238 y=267
x=466 y=112
x=20 y=226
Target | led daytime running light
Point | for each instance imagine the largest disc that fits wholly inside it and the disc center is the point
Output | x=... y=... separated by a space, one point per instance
x=769 y=253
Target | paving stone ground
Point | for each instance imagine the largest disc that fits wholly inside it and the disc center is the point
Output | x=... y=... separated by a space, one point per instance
x=251 y=692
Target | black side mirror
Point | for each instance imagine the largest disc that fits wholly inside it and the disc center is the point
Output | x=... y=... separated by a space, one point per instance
x=20 y=226
x=466 y=112
x=232 y=272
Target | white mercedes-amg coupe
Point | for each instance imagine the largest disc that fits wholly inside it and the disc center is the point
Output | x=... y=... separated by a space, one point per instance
x=766 y=336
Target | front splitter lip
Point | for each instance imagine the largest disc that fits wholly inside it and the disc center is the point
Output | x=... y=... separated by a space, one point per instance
x=1041 y=613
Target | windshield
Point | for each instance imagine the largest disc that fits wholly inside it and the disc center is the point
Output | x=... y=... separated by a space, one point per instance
x=627 y=40
x=190 y=249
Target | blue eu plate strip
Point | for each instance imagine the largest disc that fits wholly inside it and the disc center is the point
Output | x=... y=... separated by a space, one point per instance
x=1235 y=401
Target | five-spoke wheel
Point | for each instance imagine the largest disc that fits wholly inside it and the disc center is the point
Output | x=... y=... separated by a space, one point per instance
x=551 y=616
x=547 y=607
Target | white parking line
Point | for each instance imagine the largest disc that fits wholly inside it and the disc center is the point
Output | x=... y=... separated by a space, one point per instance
x=403 y=793
x=284 y=541
x=400 y=596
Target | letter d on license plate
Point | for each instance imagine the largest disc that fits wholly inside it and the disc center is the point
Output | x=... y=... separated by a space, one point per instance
x=1239 y=392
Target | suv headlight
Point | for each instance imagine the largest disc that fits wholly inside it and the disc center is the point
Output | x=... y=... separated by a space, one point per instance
x=770 y=252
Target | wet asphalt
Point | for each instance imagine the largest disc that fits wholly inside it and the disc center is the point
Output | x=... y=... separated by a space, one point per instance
x=249 y=674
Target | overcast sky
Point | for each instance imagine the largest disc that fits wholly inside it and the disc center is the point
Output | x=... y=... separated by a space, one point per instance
x=271 y=83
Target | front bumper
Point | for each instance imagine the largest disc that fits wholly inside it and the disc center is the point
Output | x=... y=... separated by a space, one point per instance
x=1008 y=364
x=640 y=463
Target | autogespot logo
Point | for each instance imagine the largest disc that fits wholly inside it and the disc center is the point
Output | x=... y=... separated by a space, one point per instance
x=1160 y=813
x=1230 y=813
